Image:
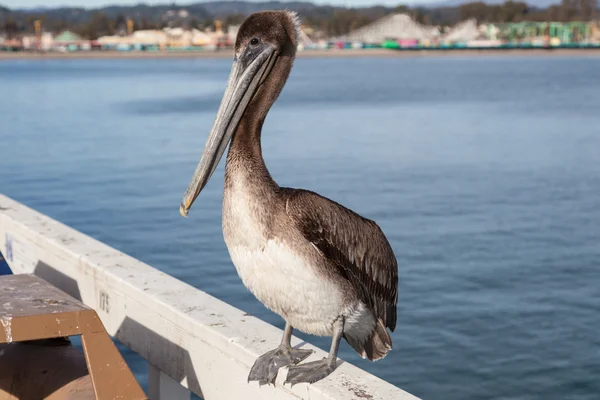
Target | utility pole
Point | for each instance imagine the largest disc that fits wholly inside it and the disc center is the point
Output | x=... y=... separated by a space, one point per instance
x=37 y=28
x=129 y=26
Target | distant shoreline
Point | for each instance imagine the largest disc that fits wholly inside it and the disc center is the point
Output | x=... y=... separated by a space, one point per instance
x=350 y=53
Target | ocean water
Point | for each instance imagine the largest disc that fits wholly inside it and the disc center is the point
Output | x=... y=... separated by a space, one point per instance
x=484 y=173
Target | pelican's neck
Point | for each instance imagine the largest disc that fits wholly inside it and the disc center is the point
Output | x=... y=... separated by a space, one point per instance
x=245 y=157
x=245 y=152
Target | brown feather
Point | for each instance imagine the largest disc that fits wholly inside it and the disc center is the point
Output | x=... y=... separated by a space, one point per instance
x=355 y=246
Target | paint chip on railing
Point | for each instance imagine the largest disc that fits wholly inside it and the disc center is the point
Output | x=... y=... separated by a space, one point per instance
x=7 y=325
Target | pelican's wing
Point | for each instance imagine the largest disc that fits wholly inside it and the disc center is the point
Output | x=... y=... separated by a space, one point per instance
x=355 y=246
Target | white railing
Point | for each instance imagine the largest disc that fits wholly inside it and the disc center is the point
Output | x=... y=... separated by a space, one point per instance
x=192 y=341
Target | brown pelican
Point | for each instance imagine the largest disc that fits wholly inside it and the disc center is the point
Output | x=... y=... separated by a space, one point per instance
x=323 y=268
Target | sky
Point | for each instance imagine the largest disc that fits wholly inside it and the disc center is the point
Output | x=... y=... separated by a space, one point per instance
x=99 y=3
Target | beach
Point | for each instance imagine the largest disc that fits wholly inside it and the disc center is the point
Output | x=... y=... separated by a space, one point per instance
x=351 y=53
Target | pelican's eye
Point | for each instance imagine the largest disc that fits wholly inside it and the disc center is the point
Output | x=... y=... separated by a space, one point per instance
x=254 y=42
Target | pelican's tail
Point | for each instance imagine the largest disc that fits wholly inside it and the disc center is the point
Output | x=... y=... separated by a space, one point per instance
x=376 y=346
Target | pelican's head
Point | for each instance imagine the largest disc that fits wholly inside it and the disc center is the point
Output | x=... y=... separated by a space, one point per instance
x=264 y=52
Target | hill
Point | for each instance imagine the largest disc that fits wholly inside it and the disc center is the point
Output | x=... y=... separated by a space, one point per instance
x=331 y=20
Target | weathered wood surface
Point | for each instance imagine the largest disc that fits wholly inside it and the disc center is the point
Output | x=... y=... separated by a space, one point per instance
x=24 y=295
x=197 y=340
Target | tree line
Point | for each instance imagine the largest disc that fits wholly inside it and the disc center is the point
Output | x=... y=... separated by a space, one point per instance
x=331 y=21
x=568 y=10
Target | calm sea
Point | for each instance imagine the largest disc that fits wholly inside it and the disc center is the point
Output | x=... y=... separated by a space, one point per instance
x=483 y=172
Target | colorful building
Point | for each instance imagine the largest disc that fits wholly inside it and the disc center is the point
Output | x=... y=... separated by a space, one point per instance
x=555 y=32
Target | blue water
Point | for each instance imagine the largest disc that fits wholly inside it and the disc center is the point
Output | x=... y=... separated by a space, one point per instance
x=4 y=268
x=483 y=172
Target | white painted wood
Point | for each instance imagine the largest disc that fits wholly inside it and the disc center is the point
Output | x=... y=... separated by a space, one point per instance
x=162 y=387
x=190 y=336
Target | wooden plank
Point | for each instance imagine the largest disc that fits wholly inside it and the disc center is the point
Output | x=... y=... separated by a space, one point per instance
x=25 y=295
x=197 y=340
x=32 y=309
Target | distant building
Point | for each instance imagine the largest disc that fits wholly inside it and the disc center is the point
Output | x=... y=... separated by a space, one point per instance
x=304 y=41
x=463 y=32
x=141 y=39
x=595 y=31
x=175 y=18
x=44 y=42
x=200 y=38
x=69 y=41
x=148 y=37
x=232 y=31
x=489 y=31
x=165 y=38
x=178 y=37
x=555 y=32
x=68 y=37
x=391 y=27
x=11 y=45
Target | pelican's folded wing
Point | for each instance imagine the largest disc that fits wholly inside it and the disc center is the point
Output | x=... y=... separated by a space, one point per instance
x=355 y=246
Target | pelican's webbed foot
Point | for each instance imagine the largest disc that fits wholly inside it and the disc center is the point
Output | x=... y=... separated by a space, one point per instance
x=265 y=367
x=310 y=372
x=317 y=370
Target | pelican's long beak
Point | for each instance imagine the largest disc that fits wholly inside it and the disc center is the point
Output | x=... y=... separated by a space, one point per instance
x=247 y=73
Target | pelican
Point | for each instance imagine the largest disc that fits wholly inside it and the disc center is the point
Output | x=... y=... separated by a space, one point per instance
x=323 y=268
